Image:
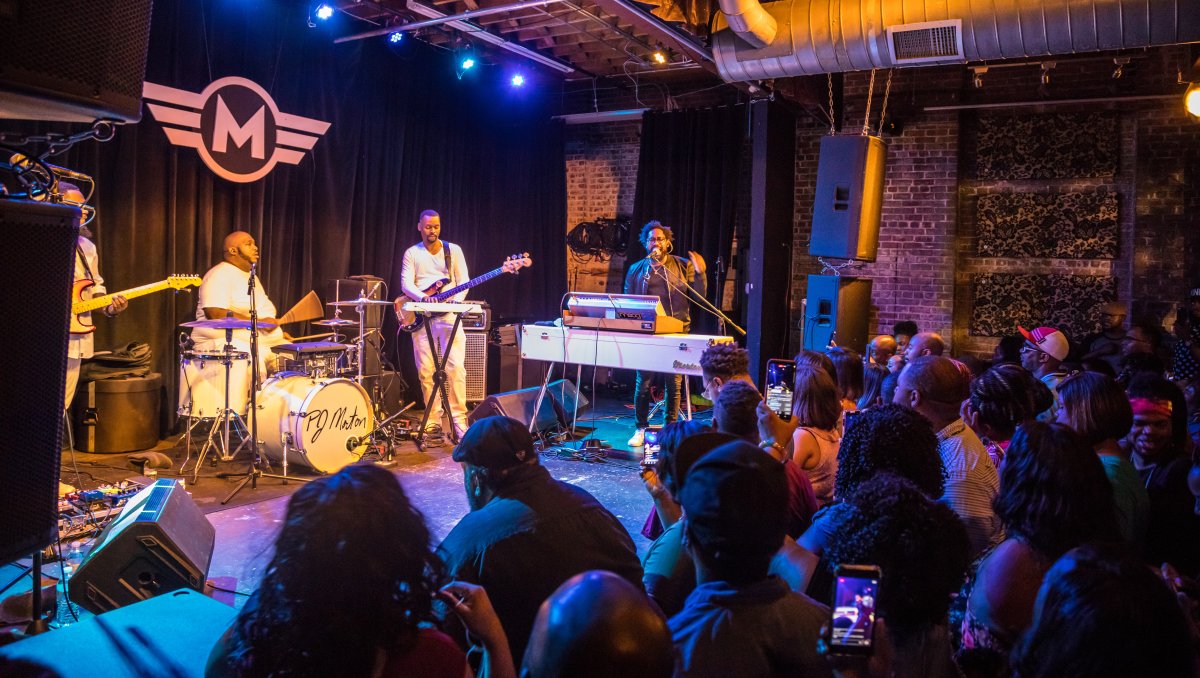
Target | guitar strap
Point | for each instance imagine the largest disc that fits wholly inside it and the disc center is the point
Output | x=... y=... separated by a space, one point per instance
x=83 y=260
x=448 y=259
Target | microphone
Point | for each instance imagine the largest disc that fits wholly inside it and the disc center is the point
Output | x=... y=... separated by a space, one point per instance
x=250 y=283
x=352 y=443
x=656 y=253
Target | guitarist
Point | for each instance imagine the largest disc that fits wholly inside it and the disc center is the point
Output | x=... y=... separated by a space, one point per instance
x=425 y=264
x=87 y=265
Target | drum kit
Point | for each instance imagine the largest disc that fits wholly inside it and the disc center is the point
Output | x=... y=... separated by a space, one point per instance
x=314 y=411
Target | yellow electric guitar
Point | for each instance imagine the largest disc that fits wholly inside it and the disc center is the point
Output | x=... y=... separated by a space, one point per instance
x=81 y=305
x=411 y=322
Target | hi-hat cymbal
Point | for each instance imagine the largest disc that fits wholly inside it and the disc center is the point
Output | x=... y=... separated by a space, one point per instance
x=355 y=302
x=225 y=324
x=335 y=322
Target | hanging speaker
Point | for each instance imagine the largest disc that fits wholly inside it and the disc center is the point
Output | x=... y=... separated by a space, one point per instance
x=836 y=312
x=73 y=60
x=159 y=543
x=849 y=198
x=37 y=250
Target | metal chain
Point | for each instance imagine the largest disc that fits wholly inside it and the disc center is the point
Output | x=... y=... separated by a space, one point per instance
x=832 y=119
x=887 y=89
x=101 y=130
x=866 y=130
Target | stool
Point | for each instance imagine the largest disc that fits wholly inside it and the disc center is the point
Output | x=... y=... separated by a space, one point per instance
x=118 y=415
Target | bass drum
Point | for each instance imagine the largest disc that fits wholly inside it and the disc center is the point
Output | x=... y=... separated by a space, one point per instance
x=318 y=416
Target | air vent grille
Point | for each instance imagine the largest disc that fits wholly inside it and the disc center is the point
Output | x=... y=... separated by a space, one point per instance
x=937 y=41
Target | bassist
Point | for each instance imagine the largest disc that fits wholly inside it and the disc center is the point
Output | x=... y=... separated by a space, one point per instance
x=424 y=265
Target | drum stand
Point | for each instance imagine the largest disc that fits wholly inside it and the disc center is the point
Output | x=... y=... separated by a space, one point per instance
x=226 y=415
x=439 y=382
x=255 y=471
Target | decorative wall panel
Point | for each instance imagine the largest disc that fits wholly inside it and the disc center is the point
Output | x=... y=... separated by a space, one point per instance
x=1001 y=301
x=1050 y=146
x=1055 y=225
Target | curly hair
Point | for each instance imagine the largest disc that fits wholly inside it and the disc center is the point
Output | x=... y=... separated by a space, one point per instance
x=1054 y=494
x=1004 y=397
x=919 y=544
x=849 y=368
x=352 y=573
x=1102 y=612
x=1096 y=407
x=650 y=226
x=725 y=360
x=889 y=438
x=735 y=411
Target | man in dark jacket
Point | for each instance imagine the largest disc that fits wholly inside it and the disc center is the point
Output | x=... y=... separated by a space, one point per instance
x=527 y=533
x=669 y=278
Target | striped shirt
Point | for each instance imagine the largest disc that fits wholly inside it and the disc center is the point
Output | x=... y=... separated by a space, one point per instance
x=971 y=484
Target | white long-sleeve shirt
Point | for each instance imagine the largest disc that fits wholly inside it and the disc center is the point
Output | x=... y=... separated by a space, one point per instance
x=82 y=345
x=420 y=269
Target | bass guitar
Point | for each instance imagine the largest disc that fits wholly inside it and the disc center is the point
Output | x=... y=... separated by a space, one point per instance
x=81 y=305
x=411 y=322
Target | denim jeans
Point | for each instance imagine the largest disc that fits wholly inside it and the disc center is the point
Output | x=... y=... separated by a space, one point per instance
x=641 y=398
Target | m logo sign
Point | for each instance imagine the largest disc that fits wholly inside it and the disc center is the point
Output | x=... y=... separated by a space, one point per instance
x=235 y=126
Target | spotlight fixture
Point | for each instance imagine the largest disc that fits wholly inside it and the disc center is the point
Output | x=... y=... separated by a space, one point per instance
x=1191 y=100
x=518 y=80
x=1120 y=63
x=659 y=57
x=1047 y=66
x=464 y=59
x=324 y=11
x=977 y=76
x=467 y=63
x=395 y=38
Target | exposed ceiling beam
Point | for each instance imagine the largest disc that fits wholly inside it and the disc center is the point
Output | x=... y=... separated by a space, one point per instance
x=446 y=19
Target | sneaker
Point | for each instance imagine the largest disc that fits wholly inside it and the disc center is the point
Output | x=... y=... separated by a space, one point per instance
x=638 y=439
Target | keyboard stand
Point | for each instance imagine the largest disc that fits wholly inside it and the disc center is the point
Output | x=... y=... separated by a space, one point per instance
x=439 y=381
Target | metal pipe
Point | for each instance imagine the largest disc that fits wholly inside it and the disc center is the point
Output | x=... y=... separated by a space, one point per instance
x=1054 y=102
x=437 y=21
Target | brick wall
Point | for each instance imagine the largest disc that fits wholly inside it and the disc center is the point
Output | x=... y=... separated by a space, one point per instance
x=601 y=166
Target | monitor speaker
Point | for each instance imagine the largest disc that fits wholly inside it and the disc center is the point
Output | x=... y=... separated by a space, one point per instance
x=159 y=543
x=37 y=250
x=849 y=198
x=520 y=406
x=73 y=60
x=837 y=311
x=565 y=397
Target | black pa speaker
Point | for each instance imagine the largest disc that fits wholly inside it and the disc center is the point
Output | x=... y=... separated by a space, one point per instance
x=565 y=398
x=519 y=405
x=849 y=198
x=73 y=60
x=837 y=311
x=159 y=543
x=37 y=250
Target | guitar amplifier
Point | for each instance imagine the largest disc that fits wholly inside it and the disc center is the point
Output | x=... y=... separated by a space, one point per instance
x=478 y=322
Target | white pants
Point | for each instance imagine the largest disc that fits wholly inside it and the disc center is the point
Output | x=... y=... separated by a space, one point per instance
x=456 y=373
x=72 y=380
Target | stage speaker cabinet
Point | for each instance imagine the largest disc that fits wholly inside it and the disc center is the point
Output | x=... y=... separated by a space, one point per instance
x=476 y=363
x=837 y=311
x=520 y=406
x=849 y=198
x=159 y=543
x=565 y=397
x=348 y=289
x=37 y=251
x=73 y=60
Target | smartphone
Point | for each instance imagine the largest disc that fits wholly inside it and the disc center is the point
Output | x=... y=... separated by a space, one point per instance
x=781 y=379
x=852 y=617
x=652 y=445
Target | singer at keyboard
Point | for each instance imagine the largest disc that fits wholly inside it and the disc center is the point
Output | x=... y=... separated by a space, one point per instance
x=663 y=275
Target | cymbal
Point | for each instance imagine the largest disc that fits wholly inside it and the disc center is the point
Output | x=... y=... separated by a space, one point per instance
x=335 y=322
x=355 y=302
x=224 y=324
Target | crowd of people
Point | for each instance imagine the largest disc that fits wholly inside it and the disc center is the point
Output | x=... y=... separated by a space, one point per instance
x=1033 y=515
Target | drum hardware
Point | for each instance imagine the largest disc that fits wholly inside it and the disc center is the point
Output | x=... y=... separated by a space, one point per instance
x=223 y=419
x=353 y=442
x=360 y=306
x=255 y=471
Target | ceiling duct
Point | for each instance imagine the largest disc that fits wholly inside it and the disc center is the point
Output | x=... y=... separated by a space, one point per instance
x=829 y=36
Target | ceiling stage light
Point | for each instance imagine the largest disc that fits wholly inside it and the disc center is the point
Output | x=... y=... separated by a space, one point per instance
x=1191 y=100
x=518 y=80
x=324 y=11
x=395 y=37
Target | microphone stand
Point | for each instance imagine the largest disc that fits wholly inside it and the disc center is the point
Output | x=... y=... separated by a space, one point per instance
x=703 y=303
x=255 y=470
x=720 y=293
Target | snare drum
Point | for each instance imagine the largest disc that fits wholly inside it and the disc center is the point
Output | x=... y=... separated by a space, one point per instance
x=317 y=415
x=202 y=383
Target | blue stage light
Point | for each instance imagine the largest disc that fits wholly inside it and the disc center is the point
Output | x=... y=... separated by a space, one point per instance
x=467 y=63
x=518 y=80
x=324 y=11
x=395 y=37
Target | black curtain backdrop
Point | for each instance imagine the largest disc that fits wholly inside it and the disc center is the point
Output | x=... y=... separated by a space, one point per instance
x=406 y=135
x=688 y=172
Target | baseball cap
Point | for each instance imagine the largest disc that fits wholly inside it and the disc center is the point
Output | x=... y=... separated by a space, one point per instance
x=496 y=443
x=735 y=500
x=1048 y=340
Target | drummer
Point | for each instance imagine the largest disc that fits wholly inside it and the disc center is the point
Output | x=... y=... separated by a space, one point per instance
x=224 y=292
